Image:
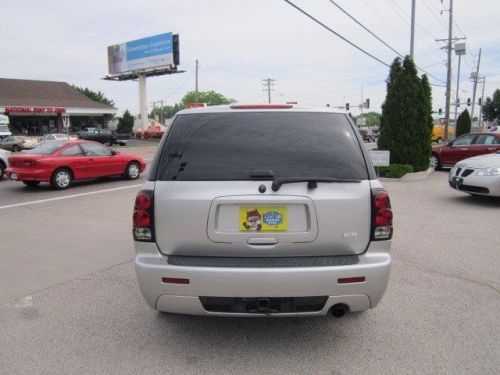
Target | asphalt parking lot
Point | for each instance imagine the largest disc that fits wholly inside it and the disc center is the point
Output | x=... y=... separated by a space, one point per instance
x=69 y=301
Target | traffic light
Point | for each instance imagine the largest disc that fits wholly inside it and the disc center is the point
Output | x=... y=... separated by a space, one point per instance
x=458 y=102
x=440 y=111
x=367 y=103
x=479 y=101
x=346 y=106
x=468 y=102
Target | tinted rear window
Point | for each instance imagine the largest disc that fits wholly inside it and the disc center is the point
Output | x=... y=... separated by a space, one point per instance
x=228 y=146
x=46 y=148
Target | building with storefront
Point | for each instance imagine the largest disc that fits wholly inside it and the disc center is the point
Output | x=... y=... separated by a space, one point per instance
x=37 y=107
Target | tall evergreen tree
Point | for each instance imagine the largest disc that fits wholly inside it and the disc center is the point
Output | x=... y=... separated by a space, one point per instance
x=406 y=123
x=464 y=123
x=125 y=123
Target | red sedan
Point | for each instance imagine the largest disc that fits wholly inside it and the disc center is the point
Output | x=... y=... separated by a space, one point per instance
x=463 y=147
x=62 y=162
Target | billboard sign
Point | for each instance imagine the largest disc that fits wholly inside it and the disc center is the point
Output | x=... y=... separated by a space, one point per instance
x=151 y=52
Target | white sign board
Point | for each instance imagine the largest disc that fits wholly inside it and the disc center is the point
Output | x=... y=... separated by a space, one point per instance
x=380 y=158
x=65 y=119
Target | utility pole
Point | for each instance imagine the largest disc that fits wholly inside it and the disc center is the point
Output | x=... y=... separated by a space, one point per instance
x=196 y=80
x=448 y=76
x=268 y=86
x=362 y=102
x=448 y=47
x=161 y=111
x=481 y=106
x=459 y=50
x=412 y=37
x=475 y=77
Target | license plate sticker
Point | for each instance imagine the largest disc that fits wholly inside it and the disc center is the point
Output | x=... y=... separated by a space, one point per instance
x=263 y=219
x=13 y=176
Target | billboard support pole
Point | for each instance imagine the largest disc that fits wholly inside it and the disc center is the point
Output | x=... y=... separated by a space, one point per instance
x=143 y=100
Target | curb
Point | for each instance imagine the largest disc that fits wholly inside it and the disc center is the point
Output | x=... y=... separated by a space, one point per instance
x=411 y=177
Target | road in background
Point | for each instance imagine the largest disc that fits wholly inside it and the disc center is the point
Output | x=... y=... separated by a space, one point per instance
x=70 y=302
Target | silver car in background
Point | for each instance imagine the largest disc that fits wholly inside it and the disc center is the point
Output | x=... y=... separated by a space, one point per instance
x=262 y=210
x=17 y=143
x=479 y=175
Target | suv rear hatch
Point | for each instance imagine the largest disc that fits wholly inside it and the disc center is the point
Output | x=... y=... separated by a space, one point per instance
x=214 y=193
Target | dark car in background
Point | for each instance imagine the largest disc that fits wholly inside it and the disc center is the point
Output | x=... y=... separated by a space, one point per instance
x=463 y=147
x=105 y=136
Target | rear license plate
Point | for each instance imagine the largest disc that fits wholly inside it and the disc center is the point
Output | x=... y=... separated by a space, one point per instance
x=13 y=176
x=263 y=219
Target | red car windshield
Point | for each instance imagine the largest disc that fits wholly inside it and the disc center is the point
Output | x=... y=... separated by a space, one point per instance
x=46 y=148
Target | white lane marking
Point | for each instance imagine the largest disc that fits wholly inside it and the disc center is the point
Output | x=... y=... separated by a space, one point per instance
x=68 y=196
x=24 y=303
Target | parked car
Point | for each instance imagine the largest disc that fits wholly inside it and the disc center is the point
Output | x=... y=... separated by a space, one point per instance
x=62 y=162
x=479 y=175
x=105 y=136
x=17 y=143
x=55 y=137
x=4 y=127
x=262 y=210
x=4 y=162
x=465 y=146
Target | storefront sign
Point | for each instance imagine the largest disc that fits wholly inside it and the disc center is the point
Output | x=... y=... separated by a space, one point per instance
x=35 y=110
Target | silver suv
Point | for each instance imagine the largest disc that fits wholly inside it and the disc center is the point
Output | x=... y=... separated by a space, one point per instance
x=262 y=210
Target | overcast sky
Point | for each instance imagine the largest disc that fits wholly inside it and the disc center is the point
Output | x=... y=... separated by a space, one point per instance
x=238 y=43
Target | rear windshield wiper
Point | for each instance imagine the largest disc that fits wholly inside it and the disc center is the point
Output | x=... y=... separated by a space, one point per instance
x=312 y=182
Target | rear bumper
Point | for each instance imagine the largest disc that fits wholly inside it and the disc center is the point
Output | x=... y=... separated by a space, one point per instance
x=151 y=266
x=28 y=175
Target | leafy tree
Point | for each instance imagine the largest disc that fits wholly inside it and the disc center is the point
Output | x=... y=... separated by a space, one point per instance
x=491 y=108
x=209 y=97
x=372 y=118
x=97 y=96
x=463 y=123
x=406 y=122
x=125 y=123
x=167 y=111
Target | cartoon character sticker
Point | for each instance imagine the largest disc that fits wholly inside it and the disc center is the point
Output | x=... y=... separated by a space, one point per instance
x=263 y=219
x=253 y=221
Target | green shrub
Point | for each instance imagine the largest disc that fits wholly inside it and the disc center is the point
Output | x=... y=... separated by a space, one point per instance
x=395 y=170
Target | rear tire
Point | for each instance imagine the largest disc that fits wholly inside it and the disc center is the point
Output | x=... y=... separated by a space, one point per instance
x=133 y=171
x=435 y=163
x=15 y=148
x=31 y=183
x=61 y=179
x=2 y=170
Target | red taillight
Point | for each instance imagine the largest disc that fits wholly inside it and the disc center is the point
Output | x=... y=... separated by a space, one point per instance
x=143 y=216
x=351 y=280
x=174 y=280
x=142 y=201
x=382 y=215
x=23 y=142
x=141 y=219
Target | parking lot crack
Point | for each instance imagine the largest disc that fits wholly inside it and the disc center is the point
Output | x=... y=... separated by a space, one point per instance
x=453 y=276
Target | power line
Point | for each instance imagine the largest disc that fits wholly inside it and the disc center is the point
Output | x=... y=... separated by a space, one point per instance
x=379 y=39
x=335 y=33
x=364 y=27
